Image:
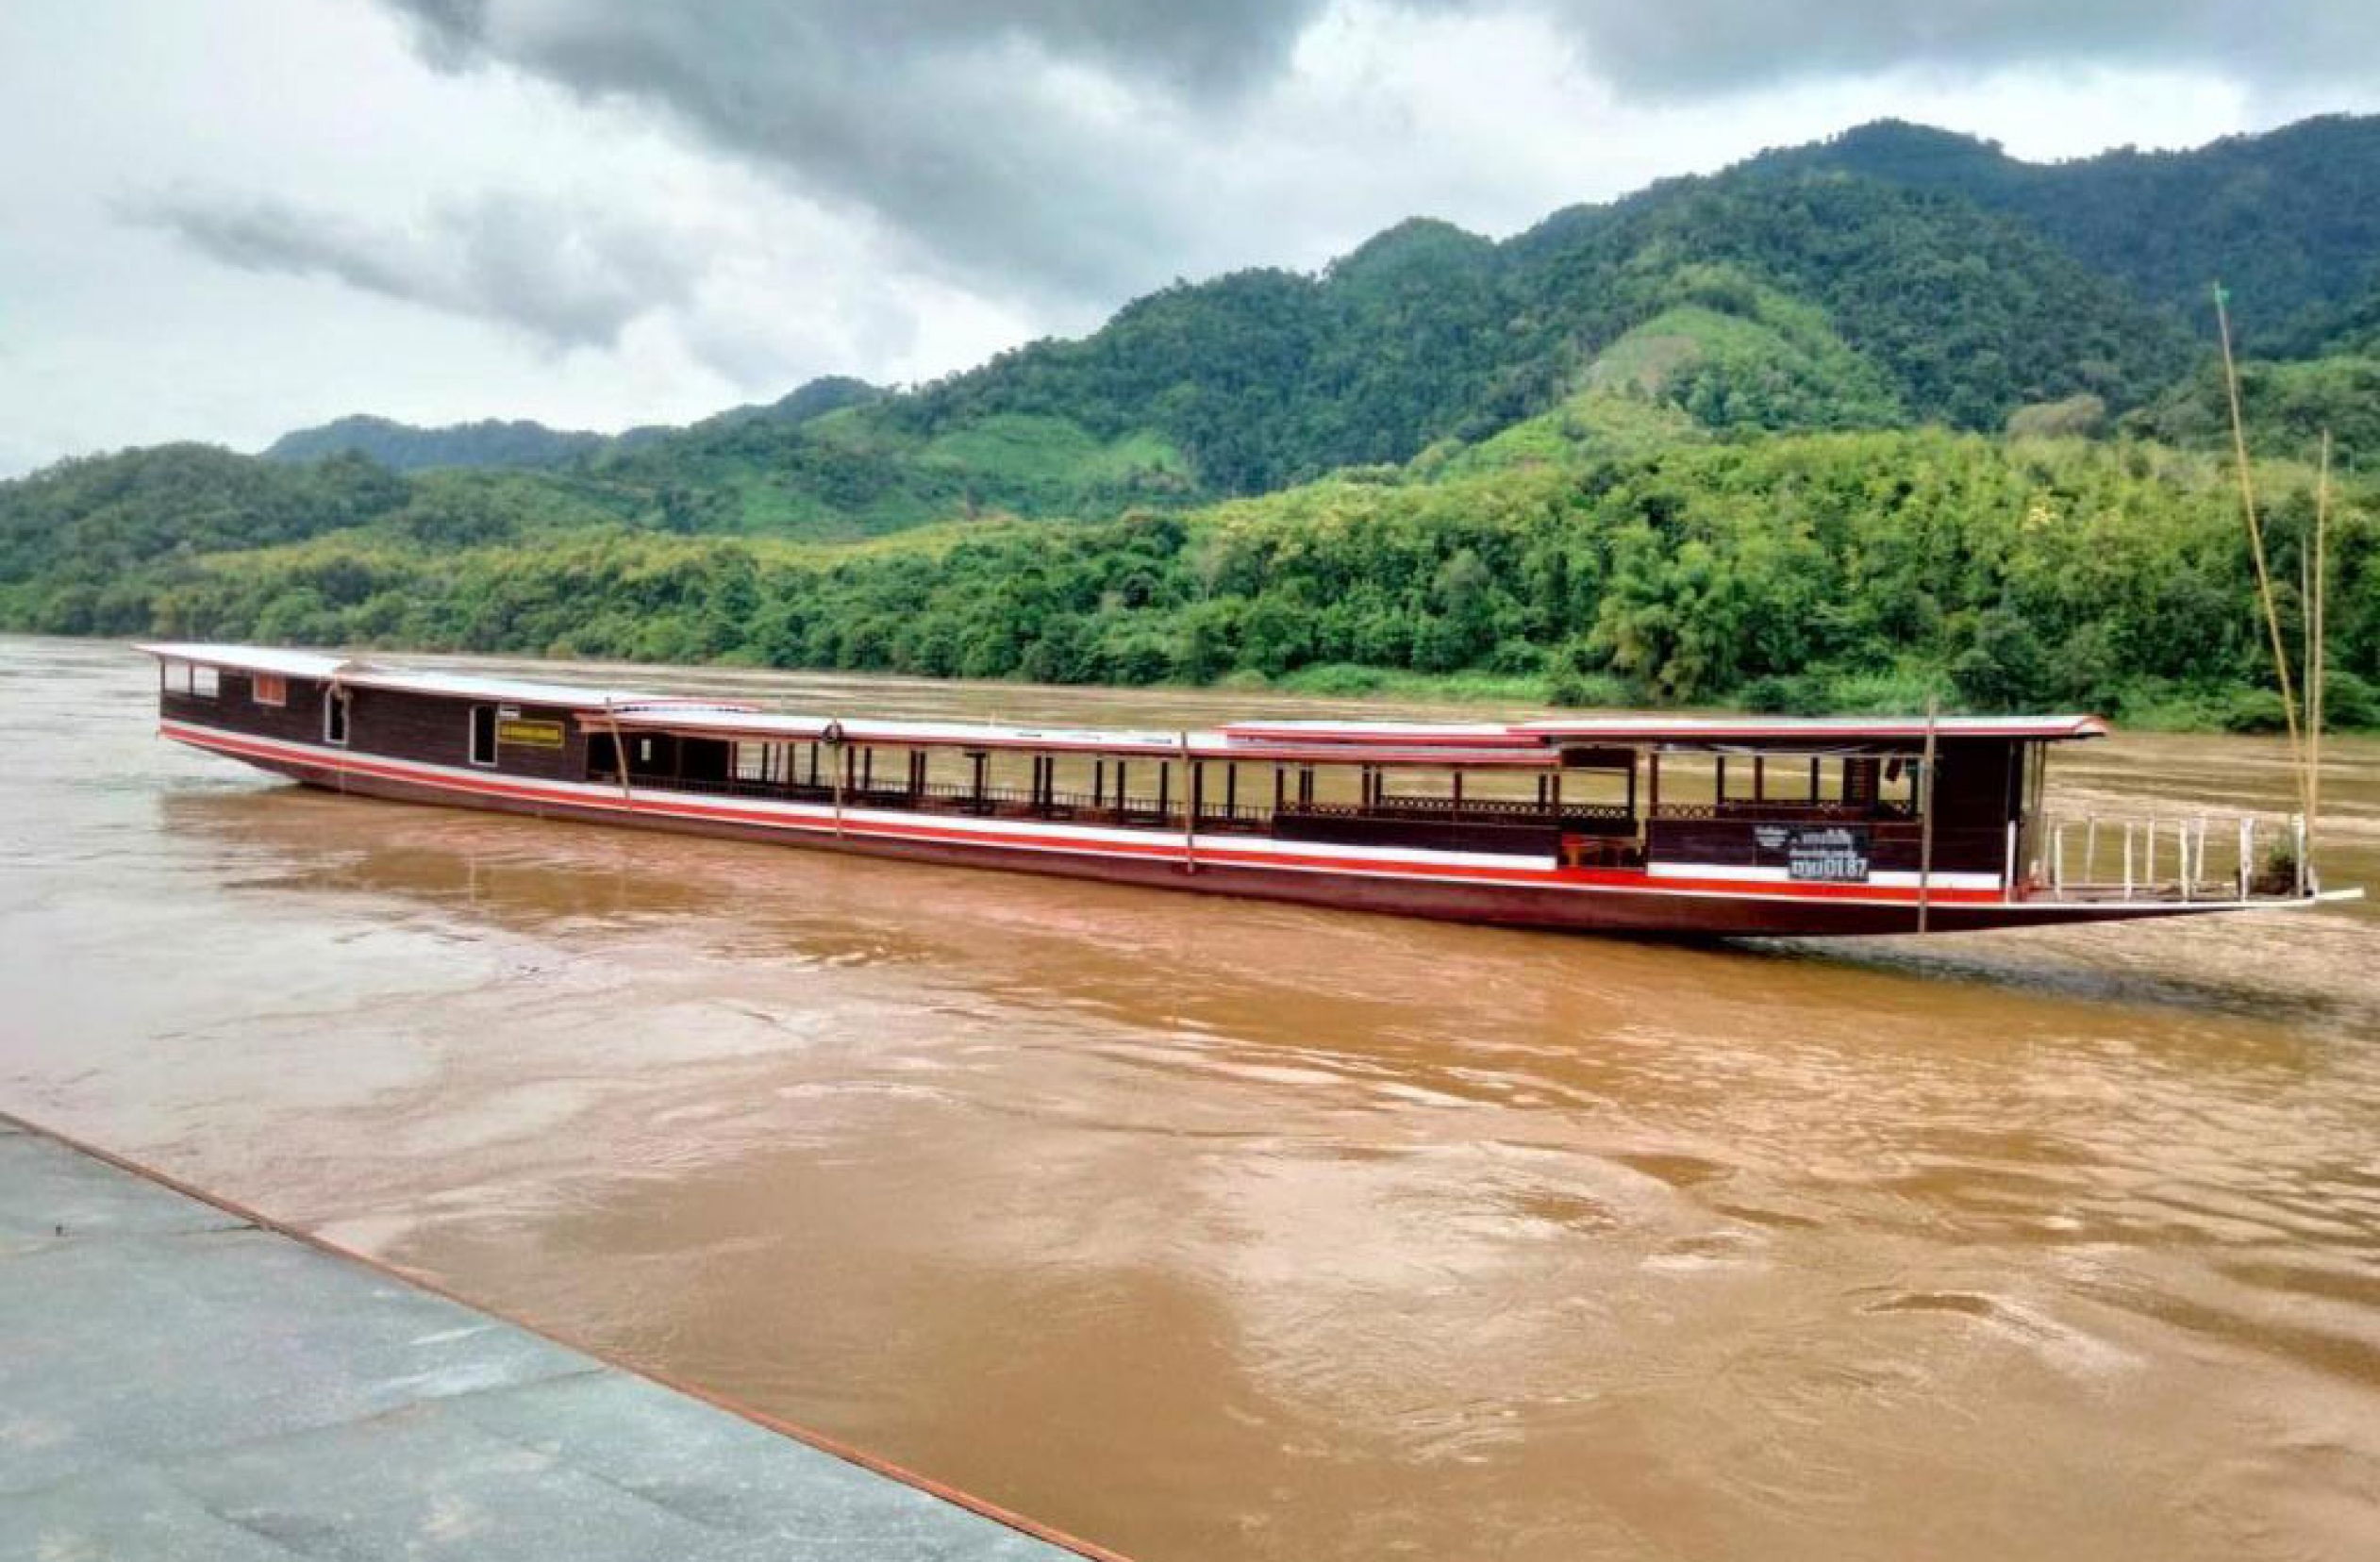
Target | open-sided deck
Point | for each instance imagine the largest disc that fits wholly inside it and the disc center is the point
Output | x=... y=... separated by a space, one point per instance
x=1626 y=824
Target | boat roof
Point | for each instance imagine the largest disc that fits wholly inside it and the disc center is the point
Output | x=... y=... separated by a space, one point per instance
x=771 y=727
x=1808 y=729
x=358 y=673
x=251 y=658
x=1524 y=744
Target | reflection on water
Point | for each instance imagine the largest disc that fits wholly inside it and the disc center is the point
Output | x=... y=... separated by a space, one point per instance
x=1218 y=1230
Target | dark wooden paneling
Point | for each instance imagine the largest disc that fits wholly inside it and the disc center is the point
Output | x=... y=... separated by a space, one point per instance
x=234 y=708
x=434 y=728
x=1418 y=834
x=1894 y=845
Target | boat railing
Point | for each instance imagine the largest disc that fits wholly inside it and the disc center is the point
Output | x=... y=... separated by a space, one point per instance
x=1518 y=808
x=1790 y=810
x=1105 y=807
x=2190 y=857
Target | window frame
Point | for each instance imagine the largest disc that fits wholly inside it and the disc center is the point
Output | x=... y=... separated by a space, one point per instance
x=337 y=710
x=268 y=689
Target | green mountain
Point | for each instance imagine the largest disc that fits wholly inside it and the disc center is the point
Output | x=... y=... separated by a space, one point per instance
x=523 y=445
x=1837 y=424
x=2284 y=219
x=403 y=447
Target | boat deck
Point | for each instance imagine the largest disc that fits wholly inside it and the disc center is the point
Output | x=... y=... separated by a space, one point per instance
x=179 y=1380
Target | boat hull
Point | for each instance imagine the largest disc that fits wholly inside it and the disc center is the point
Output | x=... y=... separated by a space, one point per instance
x=1515 y=894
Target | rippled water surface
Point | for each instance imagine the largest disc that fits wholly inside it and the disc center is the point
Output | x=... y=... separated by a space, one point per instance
x=1215 y=1230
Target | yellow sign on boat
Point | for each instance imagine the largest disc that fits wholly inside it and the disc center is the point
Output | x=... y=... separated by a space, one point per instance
x=521 y=734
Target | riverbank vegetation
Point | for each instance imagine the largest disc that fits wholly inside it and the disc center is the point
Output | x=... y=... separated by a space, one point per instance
x=1847 y=571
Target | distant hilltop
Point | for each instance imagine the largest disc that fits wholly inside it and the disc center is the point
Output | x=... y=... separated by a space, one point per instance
x=521 y=444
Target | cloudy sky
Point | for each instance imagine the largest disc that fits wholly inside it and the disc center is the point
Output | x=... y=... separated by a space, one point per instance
x=228 y=218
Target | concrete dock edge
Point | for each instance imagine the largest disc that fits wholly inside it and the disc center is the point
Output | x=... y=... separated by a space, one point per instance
x=181 y=1376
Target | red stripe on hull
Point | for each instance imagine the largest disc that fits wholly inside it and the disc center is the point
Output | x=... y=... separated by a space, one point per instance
x=1579 y=902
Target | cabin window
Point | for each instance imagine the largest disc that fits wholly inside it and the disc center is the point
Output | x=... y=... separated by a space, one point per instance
x=269 y=688
x=191 y=678
x=483 y=735
x=335 y=718
x=757 y=762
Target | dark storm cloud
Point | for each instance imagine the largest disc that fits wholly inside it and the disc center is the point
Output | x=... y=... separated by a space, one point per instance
x=1053 y=147
x=988 y=131
x=565 y=278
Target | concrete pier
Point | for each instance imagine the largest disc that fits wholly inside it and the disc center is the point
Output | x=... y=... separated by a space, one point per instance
x=180 y=1380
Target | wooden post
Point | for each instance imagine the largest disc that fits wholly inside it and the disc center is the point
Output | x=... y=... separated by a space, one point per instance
x=1926 y=816
x=832 y=737
x=618 y=755
x=1190 y=770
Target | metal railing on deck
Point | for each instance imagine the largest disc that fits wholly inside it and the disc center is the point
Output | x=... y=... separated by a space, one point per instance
x=2191 y=857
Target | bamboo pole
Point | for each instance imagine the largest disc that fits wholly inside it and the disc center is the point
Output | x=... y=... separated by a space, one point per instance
x=2317 y=674
x=2255 y=542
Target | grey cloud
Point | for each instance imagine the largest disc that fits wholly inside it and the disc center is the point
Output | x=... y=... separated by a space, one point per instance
x=1052 y=149
x=1685 y=46
x=566 y=278
x=987 y=132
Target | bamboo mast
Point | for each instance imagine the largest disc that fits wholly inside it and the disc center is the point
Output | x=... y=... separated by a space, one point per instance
x=2316 y=676
x=2256 y=545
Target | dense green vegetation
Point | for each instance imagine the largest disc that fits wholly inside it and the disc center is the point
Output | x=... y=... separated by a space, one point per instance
x=2286 y=218
x=1798 y=572
x=1837 y=428
x=401 y=447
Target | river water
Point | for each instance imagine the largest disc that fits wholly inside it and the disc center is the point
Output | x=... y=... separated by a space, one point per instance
x=1215 y=1230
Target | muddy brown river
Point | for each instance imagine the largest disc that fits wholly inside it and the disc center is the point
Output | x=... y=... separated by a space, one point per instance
x=1218 y=1231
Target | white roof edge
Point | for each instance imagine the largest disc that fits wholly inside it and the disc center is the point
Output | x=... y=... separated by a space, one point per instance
x=360 y=673
x=1358 y=736
x=259 y=659
x=1816 y=726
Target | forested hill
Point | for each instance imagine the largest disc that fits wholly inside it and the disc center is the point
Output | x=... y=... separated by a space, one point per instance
x=2286 y=218
x=402 y=447
x=523 y=445
x=1699 y=381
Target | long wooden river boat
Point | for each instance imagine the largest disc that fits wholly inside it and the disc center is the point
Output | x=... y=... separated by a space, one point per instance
x=1633 y=825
